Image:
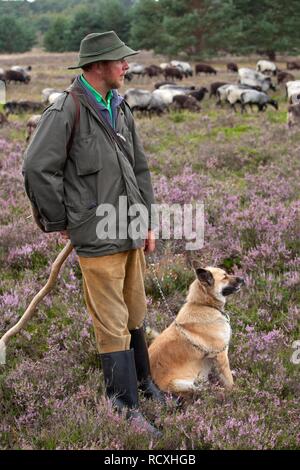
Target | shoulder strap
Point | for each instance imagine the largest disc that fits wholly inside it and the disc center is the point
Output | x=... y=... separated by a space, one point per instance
x=76 y=121
x=115 y=136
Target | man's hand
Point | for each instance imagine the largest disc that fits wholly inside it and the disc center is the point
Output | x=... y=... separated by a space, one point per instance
x=65 y=235
x=149 y=245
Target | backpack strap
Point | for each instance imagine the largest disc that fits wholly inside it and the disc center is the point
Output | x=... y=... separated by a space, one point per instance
x=76 y=121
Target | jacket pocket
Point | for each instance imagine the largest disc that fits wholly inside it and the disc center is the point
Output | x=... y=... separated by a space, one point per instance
x=86 y=155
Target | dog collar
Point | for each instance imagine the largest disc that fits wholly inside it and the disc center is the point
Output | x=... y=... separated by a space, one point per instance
x=198 y=346
x=227 y=317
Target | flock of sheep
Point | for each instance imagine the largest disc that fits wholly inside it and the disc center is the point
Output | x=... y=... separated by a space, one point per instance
x=251 y=89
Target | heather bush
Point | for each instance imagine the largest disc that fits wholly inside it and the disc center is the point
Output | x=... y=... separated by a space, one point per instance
x=246 y=171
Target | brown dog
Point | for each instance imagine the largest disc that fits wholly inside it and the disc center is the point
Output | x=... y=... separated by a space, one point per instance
x=183 y=354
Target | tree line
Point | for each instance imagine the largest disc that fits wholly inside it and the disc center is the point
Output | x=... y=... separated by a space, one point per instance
x=189 y=28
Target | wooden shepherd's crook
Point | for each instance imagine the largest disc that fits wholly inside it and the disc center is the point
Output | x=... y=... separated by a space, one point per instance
x=57 y=264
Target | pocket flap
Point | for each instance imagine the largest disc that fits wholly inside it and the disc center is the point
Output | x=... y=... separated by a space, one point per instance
x=87 y=158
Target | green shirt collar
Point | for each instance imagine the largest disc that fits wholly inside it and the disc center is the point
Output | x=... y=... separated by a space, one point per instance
x=98 y=95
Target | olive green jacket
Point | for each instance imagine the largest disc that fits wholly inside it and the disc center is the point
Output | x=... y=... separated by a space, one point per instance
x=66 y=189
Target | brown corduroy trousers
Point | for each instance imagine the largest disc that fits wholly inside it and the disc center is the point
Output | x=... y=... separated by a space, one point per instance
x=115 y=296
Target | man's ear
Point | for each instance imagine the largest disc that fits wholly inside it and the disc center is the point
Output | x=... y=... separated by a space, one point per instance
x=205 y=276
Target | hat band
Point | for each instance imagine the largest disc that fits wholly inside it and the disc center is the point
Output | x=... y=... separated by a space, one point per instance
x=109 y=49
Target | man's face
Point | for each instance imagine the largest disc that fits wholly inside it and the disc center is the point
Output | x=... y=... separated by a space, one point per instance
x=113 y=72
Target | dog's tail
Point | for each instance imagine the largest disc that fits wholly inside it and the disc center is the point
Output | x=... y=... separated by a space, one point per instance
x=151 y=334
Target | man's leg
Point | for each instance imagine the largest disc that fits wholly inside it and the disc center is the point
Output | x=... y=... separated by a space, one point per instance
x=103 y=278
x=103 y=287
x=135 y=299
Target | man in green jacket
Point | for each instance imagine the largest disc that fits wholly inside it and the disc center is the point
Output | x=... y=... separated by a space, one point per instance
x=85 y=169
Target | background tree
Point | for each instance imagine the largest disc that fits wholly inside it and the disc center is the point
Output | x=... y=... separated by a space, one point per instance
x=147 y=30
x=15 y=35
x=56 y=38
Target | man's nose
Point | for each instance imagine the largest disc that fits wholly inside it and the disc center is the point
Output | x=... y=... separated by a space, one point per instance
x=125 y=65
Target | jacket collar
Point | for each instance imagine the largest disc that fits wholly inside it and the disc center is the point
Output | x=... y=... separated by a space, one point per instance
x=87 y=100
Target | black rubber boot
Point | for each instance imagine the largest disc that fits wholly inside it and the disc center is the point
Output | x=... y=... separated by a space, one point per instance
x=121 y=386
x=142 y=364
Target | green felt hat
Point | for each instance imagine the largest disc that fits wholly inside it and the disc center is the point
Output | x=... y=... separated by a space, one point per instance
x=102 y=46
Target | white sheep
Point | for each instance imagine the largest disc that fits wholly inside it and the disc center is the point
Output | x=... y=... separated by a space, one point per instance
x=233 y=94
x=185 y=67
x=46 y=92
x=254 y=79
x=54 y=96
x=144 y=100
x=260 y=99
x=266 y=67
x=21 y=69
x=221 y=93
x=166 y=96
x=292 y=91
x=164 y=65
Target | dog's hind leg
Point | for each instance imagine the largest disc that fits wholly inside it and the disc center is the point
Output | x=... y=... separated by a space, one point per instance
x=182 y=385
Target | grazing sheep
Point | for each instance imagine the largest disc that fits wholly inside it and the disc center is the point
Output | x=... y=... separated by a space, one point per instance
x=185 y=102
x=153 y=71
x=293 y=65
x=214 y=87
x=258 y=98
x=221 y=94
x=138 y=100
x=266 y=67
x=198 y=94
x=174 y=86
x=161 y=84
x=185 y=67
x=22 y=70
x=204 y=68
x=166 y=96
x=53 y=96
x=144 y=101
x=31 y=125
x=15 y=76
x=253 y=79
x=233 y=95
x=232 y=67
x=172 y=72
x=292 y=91
x=46 y=92
x=164 y=65
x=283 y=77
x=22 y=106
x=136 y=69
x=293 y=115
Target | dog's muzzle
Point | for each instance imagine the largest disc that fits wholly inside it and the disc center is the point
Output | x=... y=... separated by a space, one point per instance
x=234 y=287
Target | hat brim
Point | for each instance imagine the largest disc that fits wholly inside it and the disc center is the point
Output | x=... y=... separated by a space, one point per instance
x=117 y=54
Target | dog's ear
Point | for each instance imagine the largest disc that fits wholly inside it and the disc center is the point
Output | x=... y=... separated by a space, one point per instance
x=205 y=276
